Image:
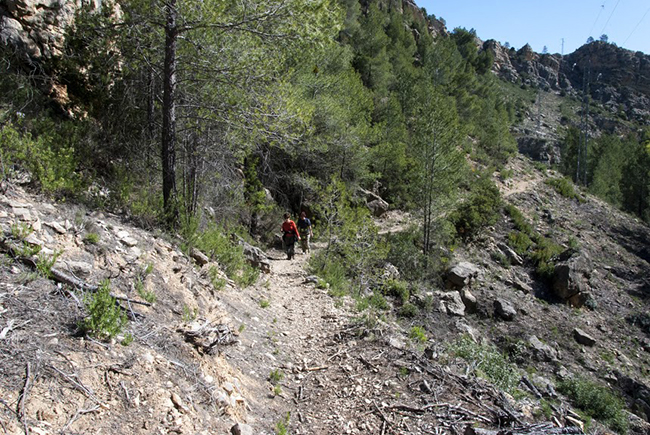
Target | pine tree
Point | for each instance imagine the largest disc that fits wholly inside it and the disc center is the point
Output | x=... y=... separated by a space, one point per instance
x=436 y=136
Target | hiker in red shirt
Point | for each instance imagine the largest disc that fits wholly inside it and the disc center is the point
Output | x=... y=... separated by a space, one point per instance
x=289 y=235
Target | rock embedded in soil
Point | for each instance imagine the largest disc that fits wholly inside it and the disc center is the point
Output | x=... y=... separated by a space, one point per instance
x=504 y=309
x=583 y=338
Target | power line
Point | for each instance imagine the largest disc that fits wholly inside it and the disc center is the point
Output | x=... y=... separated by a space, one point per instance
x=602 y=7
x=636 y=27
x=610 y=17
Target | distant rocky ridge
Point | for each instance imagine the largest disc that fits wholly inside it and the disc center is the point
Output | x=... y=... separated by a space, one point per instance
x=617 y=78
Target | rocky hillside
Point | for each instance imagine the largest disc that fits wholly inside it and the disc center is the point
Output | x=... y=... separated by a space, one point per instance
x=283 y=354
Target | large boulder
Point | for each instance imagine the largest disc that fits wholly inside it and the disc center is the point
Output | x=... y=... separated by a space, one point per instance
x=542 y=351
x=390 y=272
x=637 y=391
x=583 y=338
x=510 y=254
x=504 y=309
x=377 y=205
x=36 y=28
x=254 y=255
x=451 y=303
x=571 y=277
x=471 y=304
x=461 y=275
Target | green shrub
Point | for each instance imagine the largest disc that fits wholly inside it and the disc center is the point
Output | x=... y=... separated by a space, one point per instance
x=91 y=238
x=408 y=310
x=519 y=219
x=397 y=289
x=217 y=281
x=487 y=362
x=45 y=263
x=564 y=187
x=500 y=258
x=282 y=427
x=545 y=250
x=405 y=252
x=20 y=230
x=519 y=242
x=331 y=271
x=362 y=304
x=596 y=401
x=418 y=334
x=189 y=314
x=355 y=253
x=546 y=408
x=145 y=294
x=105 y=318
x=128 y=339
x=479 y=210
x=276 y=376
x=541 y=167
x=228 y=254
x=48 y=158
x=378 y=302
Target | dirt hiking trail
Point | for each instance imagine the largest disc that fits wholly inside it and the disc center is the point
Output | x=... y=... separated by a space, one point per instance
x=311 y=362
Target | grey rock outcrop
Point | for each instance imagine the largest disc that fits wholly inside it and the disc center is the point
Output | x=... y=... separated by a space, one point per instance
x=571 y=278
x=390 y=272
x=638 y=391
x=583 y=338
x=504 y=309
x=256 y=257
x=540 y=149
x=510 y=254
x=375 y=203
x=470 y=301
x=461 y=275
x=542 y=351
x=378 y=207
x=451 y=303
x=198 y=256
x=36 y=28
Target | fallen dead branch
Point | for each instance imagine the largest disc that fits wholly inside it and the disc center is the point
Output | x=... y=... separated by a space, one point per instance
x=23 y=399
x=535 y=429
x=79 y=413
x=74 y=380
x=11 y=325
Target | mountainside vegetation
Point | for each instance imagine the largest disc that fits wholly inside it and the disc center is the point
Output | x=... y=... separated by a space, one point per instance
x=208 y=120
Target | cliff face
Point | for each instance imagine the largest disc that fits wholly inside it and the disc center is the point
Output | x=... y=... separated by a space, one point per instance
x=33 y=33
x=36 y=28
x=527 y=67
x=617 y=78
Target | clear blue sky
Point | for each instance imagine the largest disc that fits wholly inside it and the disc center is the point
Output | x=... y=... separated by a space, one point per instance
x=545 y=23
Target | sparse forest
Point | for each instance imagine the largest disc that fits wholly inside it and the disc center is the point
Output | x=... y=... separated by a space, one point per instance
x=207 y=120
x=246 y=110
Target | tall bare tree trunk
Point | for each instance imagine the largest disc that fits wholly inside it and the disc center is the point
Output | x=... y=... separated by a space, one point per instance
x=170 y=200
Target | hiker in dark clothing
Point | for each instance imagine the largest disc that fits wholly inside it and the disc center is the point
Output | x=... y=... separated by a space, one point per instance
x=304 y=228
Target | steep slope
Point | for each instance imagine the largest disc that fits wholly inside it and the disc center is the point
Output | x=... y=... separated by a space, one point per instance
x=285 y=354
x=56 y=380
